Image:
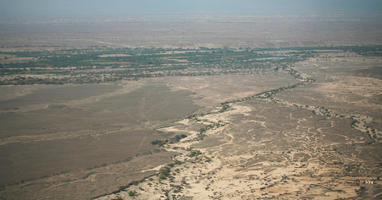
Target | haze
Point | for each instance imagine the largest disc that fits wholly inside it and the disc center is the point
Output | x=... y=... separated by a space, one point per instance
x=11 y=9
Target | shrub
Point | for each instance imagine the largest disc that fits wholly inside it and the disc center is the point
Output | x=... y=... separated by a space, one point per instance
x=195 y=153
x=164 y=172
x=132 y=193
x=134 y=183
x=158 y=142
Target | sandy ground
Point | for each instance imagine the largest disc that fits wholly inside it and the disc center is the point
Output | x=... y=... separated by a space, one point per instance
x=278 y=147
x=253 y=136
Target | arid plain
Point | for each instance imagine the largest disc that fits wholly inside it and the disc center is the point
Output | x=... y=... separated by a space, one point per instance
x=237 y=115
x=316 y=141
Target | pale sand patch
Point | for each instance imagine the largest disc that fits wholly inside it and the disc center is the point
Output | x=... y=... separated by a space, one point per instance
x=226 y=116
x=184 y=122
x=153 y=169
x=113 y=55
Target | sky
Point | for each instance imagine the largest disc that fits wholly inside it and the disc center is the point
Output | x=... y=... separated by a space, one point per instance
x=11 y=9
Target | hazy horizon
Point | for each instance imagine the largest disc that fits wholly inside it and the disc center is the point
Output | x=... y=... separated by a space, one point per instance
x=26 y=9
